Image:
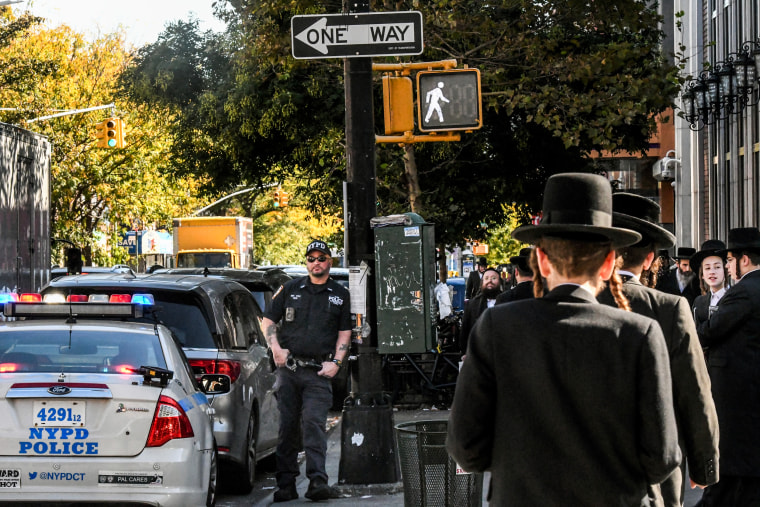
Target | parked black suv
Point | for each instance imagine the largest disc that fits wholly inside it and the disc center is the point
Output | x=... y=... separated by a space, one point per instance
x=262 y=284
x=217 y=322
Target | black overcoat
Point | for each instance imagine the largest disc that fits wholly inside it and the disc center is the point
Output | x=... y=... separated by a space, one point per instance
x=669 y=283
x=694 y=408
x=732 y=335
x=523 y=290
x=566 y=401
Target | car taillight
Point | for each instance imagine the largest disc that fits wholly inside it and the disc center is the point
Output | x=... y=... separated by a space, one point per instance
x=219 y=366
x=169 y=422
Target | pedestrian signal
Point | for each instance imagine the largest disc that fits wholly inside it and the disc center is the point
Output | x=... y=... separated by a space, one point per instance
x=449 y=100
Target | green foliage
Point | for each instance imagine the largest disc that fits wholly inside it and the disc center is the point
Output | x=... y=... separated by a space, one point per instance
x=501 y=245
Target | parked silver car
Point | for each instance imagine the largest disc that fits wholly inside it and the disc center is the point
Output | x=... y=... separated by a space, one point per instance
x=217 y=322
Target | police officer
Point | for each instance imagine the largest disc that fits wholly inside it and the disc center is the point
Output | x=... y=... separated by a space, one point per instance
x=308 y=351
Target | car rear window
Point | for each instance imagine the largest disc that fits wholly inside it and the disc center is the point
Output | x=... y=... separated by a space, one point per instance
x=182 y=312
x=186 y=320
x=77 y=351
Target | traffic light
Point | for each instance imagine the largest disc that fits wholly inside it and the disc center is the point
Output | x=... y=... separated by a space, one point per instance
x=106 y=133
x=284 y=198
x=121 y=133
x=73 y=261
x=449 y=100
x=398 y=108
x=276 y=196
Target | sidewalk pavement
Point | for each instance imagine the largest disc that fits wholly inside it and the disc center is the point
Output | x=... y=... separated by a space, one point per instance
x=388 y=494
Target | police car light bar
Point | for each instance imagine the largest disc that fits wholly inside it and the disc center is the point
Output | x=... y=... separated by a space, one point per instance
x=106 y=310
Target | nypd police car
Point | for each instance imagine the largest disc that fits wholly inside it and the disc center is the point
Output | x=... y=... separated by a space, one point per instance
x=98 y=410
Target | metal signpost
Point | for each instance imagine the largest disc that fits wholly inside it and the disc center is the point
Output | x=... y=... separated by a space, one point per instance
x=352 y=35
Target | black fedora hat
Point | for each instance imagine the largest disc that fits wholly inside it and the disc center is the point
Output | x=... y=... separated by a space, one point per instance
x=522 y=259
x=744 y=238
x=640 y=214
x=684 y=253
x=577 y=206
x=482 y=261
x=524 y=255
x=709 y=248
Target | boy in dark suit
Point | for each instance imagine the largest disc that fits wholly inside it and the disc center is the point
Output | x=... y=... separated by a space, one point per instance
x=694 y=407
x=565 y=401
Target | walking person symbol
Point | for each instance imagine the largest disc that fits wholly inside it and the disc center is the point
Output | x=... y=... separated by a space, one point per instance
x=433 y=97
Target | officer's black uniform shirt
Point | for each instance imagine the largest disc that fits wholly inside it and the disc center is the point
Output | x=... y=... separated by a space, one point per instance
x=311 y=316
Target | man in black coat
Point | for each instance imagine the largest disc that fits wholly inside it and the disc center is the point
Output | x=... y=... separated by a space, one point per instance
x=490 y=287
x=694 y=407
x=472 y=287
x=524 y=277
x=732 y=334
x=681 y=280
x=566 y=401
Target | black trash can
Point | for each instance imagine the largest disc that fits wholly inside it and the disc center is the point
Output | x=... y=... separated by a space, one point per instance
x=429 y=474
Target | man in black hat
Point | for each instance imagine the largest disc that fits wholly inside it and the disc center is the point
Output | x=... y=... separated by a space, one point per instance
x=732 y=334
x=490 y=288
x=472 y=287
x=694 y=407
x=566 y=401
x=524 y=277
x=681 y=280
x=308 y=351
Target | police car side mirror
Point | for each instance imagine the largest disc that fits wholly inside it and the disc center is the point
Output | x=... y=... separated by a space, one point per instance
x=215 y=384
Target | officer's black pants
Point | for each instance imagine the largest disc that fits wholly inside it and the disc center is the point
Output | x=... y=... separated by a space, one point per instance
x=304 y=399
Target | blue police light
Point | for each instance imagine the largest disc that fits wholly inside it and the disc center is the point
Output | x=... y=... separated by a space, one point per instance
x=7 y=297
x=143 y=299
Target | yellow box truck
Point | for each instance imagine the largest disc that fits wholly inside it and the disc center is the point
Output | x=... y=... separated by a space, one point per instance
x=214 y=242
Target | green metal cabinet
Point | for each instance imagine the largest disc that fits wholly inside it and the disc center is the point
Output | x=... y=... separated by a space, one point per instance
x=405 y=283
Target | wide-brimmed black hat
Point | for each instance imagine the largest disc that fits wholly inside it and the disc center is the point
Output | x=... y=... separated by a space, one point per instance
x=684 y=253
x=522 y=259
x=709 y=248
x=744 y=238
x=482 y=261
x=640 y=214
x=577 y=206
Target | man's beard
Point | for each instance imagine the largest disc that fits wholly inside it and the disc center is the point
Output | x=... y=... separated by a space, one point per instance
x=490 y=293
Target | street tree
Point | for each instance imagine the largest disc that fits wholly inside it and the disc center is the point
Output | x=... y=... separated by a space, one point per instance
x=95 y=192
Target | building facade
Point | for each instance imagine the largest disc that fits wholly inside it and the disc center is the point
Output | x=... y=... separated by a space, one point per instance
x=717 y=138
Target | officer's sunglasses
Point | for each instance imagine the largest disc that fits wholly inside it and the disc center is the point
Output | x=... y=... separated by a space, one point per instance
x=321 y=258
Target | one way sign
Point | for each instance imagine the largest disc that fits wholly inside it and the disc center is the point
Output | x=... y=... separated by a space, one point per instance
x=357 y=34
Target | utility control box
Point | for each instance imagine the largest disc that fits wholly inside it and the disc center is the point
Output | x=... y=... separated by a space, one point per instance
x=405 y=283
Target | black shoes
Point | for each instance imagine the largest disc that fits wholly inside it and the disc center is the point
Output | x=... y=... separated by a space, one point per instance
x=319 y=490
x=286 y=494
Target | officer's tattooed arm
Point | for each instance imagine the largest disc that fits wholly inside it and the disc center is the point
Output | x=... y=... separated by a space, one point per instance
x=279 y=354
x=341 y=347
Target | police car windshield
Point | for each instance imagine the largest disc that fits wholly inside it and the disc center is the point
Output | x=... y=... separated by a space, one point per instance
x=79 y=351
